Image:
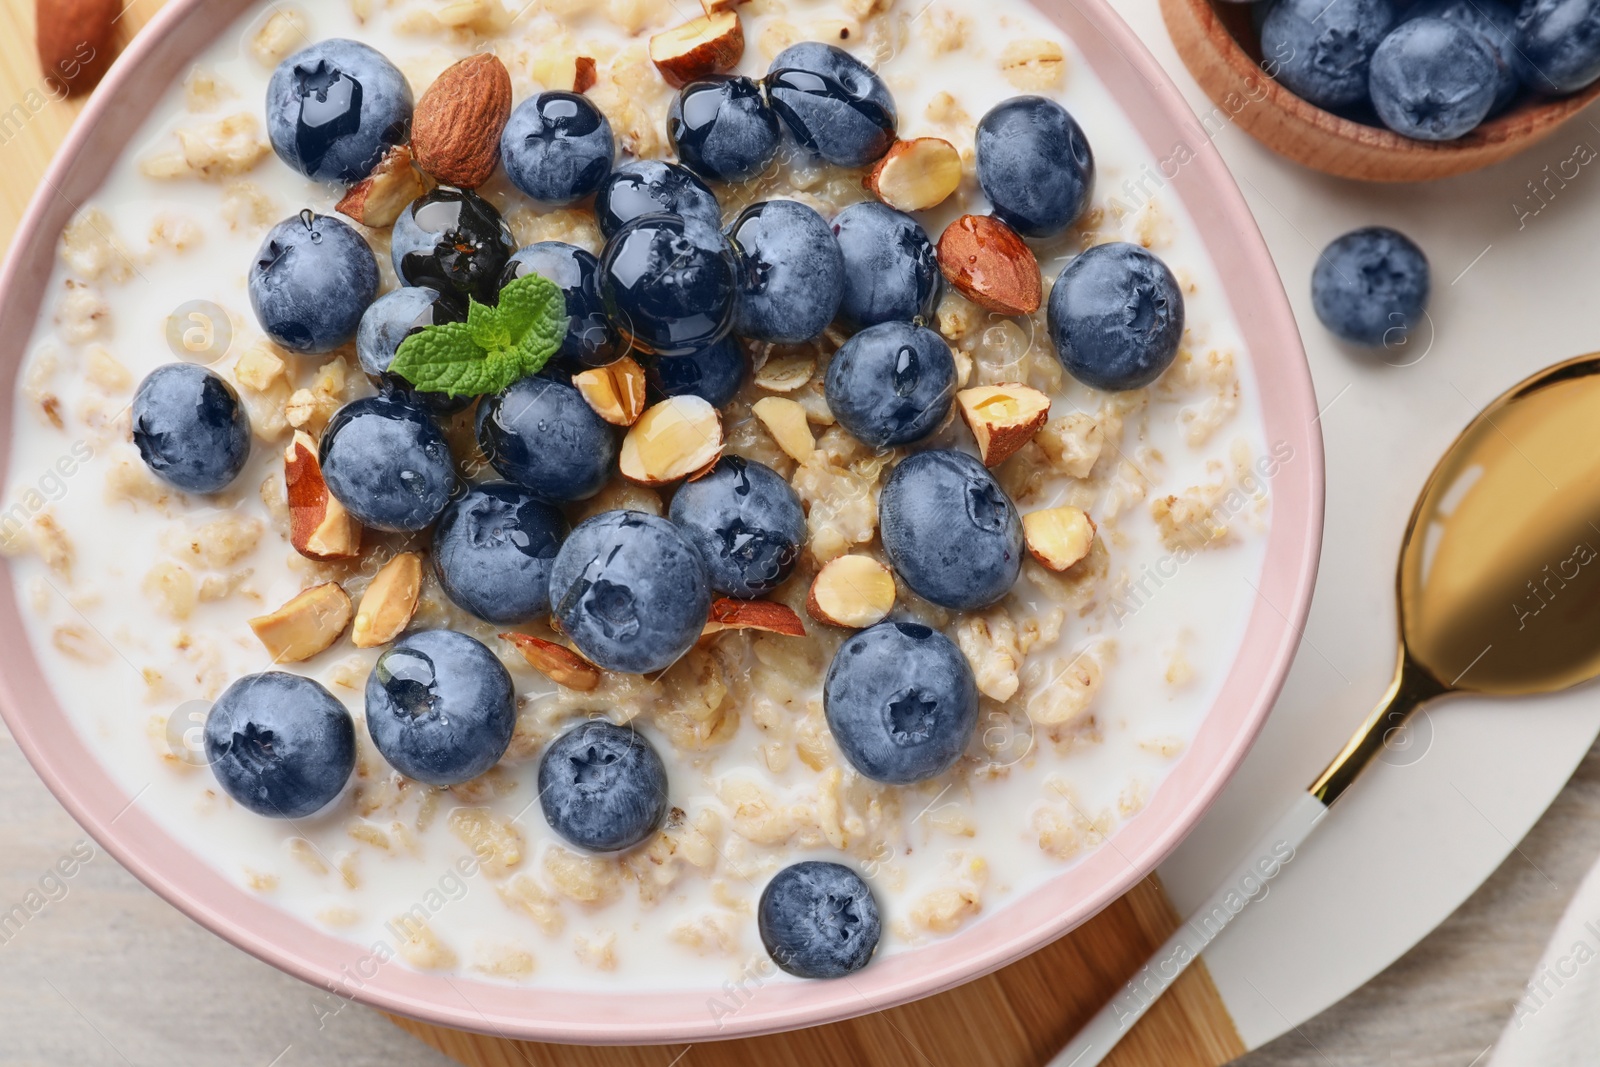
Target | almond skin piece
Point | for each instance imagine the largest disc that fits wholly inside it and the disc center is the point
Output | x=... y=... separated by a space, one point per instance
x=730 y=614
x=615 y=391
x=306 y=625
x=74 y=39
x=916 y=175
x=455 y=132
x=561 y=665
x=851 y=591
x=672 y=440
x=989 y=264
x=1058 y=537
x=389 y=602
x=710 y=44
x=583 y=75
x=1003 y=418
x=319 y=526
x=378 y=199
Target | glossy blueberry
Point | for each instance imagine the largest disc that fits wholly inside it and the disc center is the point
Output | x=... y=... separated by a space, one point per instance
x=440 y=707
x=557 y=147
x=602 y=787
x=890 y=271
x=492 y=552
x=1371 y=286
x=791 y=272
x=668 y=284
x=390 y=320
x=576 y=273
x=1034 y=165
x=650 y=187
x=892 y=383
x=1433 y=80
x=540 y=433
x=311 y=281
x=901 y=701
x=1496 y=23
x=713 y=373
x=455 y=242
x=950 y=530
x=387 y=463
x=1322 y=51
x=190 y=428
x=630 y=590
x=335 y=108
x=832 y=102
x=818 y=920
x=747 y=523
x=1116 y=317
x=723 y=129
x=1558 y=44
x=280 y=744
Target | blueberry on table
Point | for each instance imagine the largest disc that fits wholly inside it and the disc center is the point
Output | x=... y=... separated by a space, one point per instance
x=454 y=241
x=668 y=284
x=1370 y=286
x=335 y=108
x=791 y=272
x=1433 y=80
x=602 y=787
x=1322 y=51
x=1558 y=44
x=722 y=128
x=190 y=429
x=891 y=384
x=493 y=549
x=746 y=522
x=1116 y=317
x=557 y=147
x=630 y=590
x=713 y=373
x=542 y=434
x=440 y=707
x=891 y=273
x=1034 y=164
x=390 y=320
x=901 y=701
x=650 y=187
x=833 y=103
x=1496 y=23
x=280 y=744
x=311 y=281
x=576 y=273
x=387 y=463
x=950 y=531
x=818 y=920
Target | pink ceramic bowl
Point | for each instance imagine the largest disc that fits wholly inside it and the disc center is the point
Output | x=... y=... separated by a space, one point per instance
x=69 y=767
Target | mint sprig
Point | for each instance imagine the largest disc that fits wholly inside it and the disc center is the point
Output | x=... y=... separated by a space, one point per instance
x=493 y=348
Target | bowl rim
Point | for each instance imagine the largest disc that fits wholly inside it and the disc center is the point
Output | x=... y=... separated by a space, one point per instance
x=1026 y=923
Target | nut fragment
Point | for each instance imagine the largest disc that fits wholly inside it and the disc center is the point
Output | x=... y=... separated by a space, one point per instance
x=583 y=74
x=455 y=131
x=712 y=7
x=989 y=264
x=319 y=526
x=389 y=602
x=378 y=199
x=730 y=614
x=851 y=591
x=615 y=391
x=1058 y=537
x=916 y=175
x=710 y=44
x=1003 y=418
x=306 y=625
x=786 y=421
x=559 y=664
x=671 y=440
x=786 y=373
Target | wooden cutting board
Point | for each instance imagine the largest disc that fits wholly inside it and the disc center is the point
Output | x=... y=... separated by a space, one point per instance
x=1017 y=1017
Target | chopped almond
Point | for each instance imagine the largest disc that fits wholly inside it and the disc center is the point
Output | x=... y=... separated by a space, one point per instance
x=916 y=175
x=786 y=421
x=674 y=439
x=730 y=614
x=710 y=44
x=1058 y=537
x=389 y=602
x=305 y=626
x=1003 y=418
x=319 y=526
x=557 y=663
x=615 y=391
x=851 y=591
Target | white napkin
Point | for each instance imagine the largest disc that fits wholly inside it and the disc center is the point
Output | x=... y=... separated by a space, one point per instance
x=1557 y=1020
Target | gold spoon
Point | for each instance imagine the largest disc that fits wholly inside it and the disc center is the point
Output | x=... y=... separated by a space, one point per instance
x=1499 y=592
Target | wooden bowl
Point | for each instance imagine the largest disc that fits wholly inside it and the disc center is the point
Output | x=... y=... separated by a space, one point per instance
x=1219 y=45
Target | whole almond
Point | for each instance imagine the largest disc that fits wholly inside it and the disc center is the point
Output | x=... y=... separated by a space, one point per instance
x=989 y=264
x=74 y=39
x=455 y=132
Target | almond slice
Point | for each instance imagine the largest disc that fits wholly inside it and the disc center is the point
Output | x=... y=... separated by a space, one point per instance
x=786 y=373
x=1058 y=537
x=986 y=262
x=671 y=440
x=916 y=175
x=615 y=391
x=786 y=421
x=730 y=614
x=710 y=44
x=377 y=200
x=306 y=625
x=456 y=129
x=389 y=602
x=559 y=664
x=1003 y=418
x=319 y=526
x=851 y=591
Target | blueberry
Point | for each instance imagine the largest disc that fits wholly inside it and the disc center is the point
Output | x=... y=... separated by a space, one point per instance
x=1433 y=80
x=713 y=373
x=492 y=552
x=440 y=707
x=890 y=271
x=818 y=920
x=576 y=273
x=541 y=434
x=668 y=284
x=649 y=187
x=190 y=428
x=387 y=463
x=722 y=128
x=1558 y=44
x=311 y=281
x=335 y=108
x=557 y=147
x=1116 y=317
x=390 y=320
x=747 y=523
x=630 y=590
x=1496 y=23
x=1371 y=286
x=1321 y=50
x=1034 y=165
x=454 y=241
x=950 y=530
x=280 y=744
x=602 y=787
x=833 y=103
x=892 y=383
x=791 y=272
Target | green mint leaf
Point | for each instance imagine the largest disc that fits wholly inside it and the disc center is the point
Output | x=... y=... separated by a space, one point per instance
x=493 y=348
x=489 y=329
